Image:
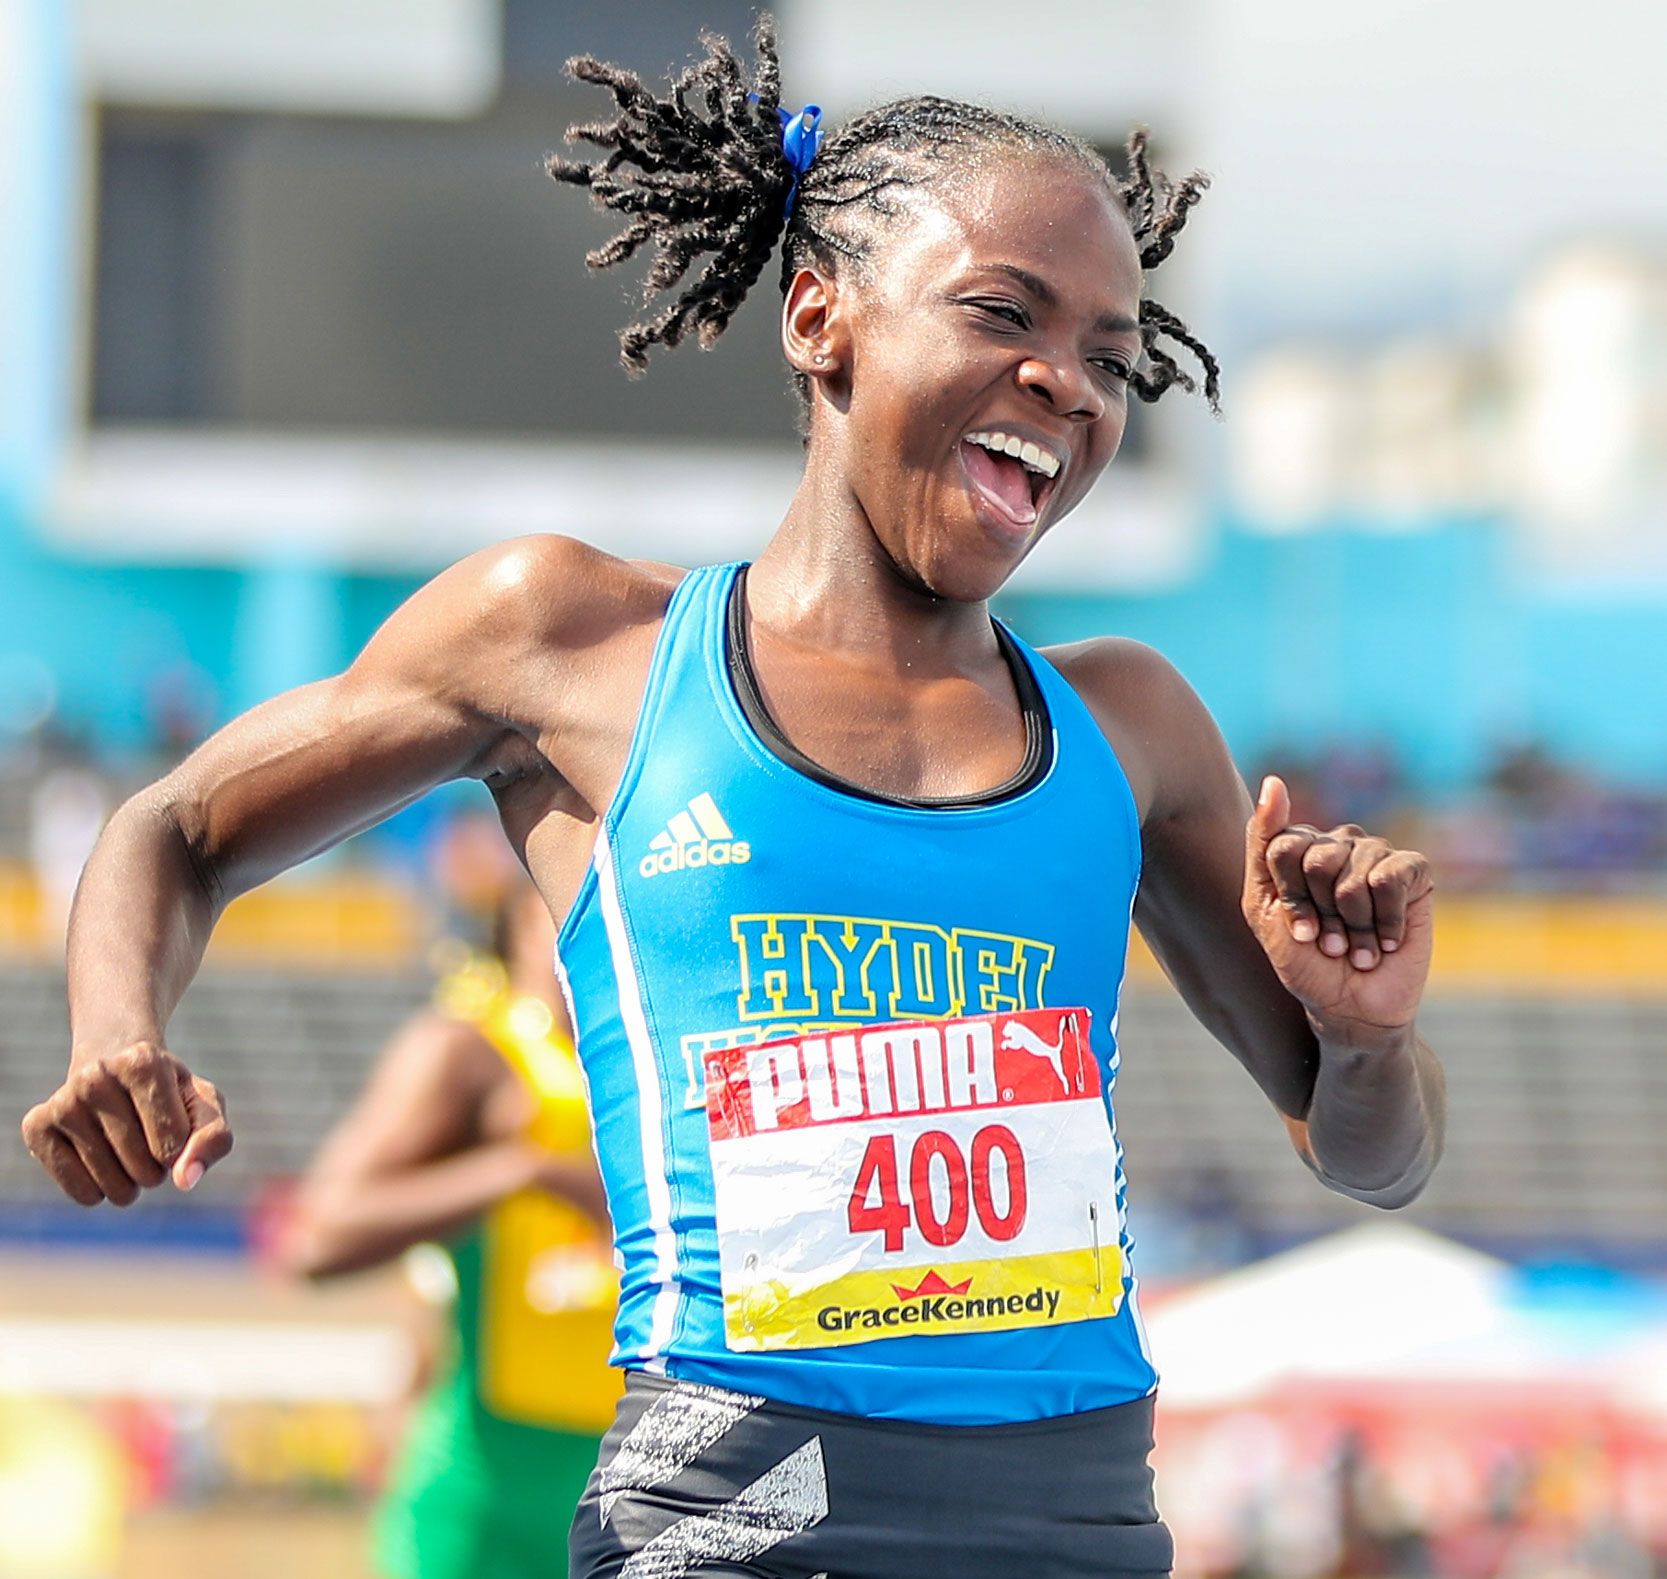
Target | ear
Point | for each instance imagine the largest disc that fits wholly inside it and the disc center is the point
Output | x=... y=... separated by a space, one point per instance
x=813 y=331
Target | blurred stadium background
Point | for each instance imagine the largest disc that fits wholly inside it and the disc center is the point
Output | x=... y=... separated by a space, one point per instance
x=289 y=318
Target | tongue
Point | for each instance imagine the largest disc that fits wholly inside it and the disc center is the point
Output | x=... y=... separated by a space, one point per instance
x=1004 y=477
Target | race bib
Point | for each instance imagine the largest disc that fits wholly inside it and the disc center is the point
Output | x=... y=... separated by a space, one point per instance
x=913 y=1179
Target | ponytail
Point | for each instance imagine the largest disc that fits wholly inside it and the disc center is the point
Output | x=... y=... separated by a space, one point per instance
x=711 y=183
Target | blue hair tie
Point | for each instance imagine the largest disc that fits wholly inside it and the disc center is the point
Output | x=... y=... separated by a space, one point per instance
x=801 y=138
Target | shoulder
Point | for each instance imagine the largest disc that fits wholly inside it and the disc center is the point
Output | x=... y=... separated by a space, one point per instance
x=438 y=1063
x=437 y=1049
x=509 y=621
x=1147 y=710
x=558 y=587
x=1118 y=673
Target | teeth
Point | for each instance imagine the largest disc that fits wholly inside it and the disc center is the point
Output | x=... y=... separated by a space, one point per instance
x=1027 y=454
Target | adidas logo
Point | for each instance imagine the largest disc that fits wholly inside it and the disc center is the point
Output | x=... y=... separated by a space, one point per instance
x=696 y=837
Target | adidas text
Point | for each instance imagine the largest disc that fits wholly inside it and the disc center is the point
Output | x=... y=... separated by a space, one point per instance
x=723 y=852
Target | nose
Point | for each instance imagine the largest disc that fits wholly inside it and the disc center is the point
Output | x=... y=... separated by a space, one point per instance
x=1068 y=389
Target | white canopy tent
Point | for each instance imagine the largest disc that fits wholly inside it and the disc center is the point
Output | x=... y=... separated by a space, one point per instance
x=1382 y=1303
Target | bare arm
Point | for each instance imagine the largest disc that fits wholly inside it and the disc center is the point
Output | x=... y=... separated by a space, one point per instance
x=1330 y=1041
x=431 y=698
x=409 y=1162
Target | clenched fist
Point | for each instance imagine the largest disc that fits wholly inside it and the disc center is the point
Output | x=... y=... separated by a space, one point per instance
x=1344 y=917
x=122 y=1123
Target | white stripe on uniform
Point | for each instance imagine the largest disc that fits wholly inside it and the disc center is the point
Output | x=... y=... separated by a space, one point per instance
x=650 y=1110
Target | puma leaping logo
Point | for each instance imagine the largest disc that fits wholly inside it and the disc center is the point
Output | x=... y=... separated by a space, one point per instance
x=1017 y=1037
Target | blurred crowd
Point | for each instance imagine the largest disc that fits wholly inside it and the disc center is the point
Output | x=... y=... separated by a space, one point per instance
x=1532 y=822
x=1296 y=1495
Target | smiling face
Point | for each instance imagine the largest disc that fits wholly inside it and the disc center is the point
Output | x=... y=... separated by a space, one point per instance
x=982 y=357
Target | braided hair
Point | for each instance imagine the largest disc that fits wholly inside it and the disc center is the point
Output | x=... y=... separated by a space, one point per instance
x=700 y=174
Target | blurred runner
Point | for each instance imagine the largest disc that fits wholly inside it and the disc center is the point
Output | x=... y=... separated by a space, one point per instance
x=473 y=1131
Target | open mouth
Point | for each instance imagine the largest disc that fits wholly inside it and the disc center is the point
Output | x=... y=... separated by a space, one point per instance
x=1015 y=476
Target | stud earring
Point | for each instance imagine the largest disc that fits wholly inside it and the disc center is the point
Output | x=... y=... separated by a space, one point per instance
x=819 y=359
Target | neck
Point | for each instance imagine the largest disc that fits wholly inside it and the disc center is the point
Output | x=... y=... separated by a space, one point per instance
x=825 y=580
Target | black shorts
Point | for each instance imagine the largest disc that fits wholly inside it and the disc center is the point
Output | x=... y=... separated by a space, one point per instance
x=701 y=1481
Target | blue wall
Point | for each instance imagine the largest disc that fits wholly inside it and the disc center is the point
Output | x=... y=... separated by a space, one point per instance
x=1430 y=640
x=106 y=631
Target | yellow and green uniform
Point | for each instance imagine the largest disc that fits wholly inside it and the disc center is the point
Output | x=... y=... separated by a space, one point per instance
x=499 y=1449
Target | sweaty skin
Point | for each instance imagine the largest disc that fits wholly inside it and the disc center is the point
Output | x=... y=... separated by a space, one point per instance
x=1008 y=300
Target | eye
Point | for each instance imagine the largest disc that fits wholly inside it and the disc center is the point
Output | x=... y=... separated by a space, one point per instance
x=1114 y=367
x=1007 y=312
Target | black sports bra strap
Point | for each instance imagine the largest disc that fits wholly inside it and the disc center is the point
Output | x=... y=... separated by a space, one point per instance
x=1038 y=758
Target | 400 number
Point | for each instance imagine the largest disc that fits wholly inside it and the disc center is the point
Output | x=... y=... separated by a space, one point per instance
x=877 y=1201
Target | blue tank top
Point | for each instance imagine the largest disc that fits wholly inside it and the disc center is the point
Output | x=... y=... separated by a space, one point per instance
x=734 y=902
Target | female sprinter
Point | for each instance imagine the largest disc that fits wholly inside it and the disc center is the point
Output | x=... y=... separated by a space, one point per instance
x=846 y=871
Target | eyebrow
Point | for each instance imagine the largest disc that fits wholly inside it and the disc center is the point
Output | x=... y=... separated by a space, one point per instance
x=1106 y=323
